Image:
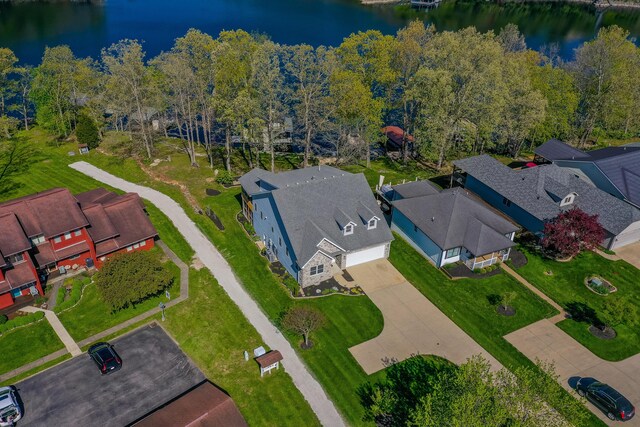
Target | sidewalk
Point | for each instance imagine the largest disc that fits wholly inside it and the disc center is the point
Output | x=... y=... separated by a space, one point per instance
x=57 y=326
x=221 y=270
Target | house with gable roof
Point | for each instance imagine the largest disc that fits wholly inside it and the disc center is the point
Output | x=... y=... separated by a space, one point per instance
x=451 y=225
x=316 y=221
x=535 y=195
x=615 y=170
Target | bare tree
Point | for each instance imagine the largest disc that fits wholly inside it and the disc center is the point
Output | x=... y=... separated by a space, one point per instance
x=303 y=320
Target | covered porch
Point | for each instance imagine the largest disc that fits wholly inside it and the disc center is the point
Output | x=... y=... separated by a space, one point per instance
x=476 y=262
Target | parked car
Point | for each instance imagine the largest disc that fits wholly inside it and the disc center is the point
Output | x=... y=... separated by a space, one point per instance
x=105 y=357
x=605 y=397
x=10 y=411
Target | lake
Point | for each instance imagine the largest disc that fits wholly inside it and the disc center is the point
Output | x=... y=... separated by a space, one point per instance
x=28 y=27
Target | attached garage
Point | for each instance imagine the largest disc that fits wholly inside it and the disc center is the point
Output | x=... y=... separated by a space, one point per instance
x=629 y=235
x=365 y=255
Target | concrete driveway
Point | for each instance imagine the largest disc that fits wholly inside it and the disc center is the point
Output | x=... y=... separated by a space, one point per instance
x=630 y=253
x=545 y=341
x=154 y=371
x=412 y=324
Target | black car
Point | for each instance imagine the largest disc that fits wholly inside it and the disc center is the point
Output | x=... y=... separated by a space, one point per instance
x=605 y=397
x=105 y=357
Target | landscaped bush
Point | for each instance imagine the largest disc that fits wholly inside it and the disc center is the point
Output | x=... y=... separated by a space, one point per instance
x=129 y=278
x=249 y=228
x=62 y=292
x=74 y=296
x=291 y=284
x=224 y=177
x=21 y=321
x=3 y=319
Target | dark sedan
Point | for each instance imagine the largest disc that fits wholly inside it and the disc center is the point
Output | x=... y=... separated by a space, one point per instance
x=105 y=357
x=605 y=397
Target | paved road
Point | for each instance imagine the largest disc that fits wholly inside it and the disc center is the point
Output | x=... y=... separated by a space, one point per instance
x=215 y=262
x=74 y=393
x=412 y=323
x=545 y=341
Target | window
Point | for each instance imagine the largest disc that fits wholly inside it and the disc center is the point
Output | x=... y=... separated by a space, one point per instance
x=37 y=240
x=74 y=257
x=143 y=243
x=67 y=236
x=415 y=228
x=272 y=229
x=261 y=215
x=286 y=251
x=280 y=241
x=57 y=239
x=348 y=229
x=129 y=248
x=506 y=202
x=77 y=232
x=14 y=259
x=136 y=246
x=372 y=224
x=452 y=252
x=317 y=269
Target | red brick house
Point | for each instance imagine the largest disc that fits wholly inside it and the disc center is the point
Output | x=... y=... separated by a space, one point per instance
x=55 y=231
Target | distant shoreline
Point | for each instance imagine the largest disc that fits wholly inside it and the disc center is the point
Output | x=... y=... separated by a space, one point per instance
x=617 y=5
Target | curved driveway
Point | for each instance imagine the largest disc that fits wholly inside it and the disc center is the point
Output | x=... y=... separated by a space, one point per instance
x=215 y=262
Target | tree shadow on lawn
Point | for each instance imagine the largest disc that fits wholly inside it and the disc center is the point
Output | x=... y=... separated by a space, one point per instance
x=16 y=158
x=581 y=312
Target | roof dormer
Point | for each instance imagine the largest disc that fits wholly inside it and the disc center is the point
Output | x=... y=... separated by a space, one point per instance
x=348 y=228
x=568 y=199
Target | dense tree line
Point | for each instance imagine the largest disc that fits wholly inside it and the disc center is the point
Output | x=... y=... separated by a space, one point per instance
x=457 y=92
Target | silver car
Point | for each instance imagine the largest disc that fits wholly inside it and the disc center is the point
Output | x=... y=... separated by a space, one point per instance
x=10 y=411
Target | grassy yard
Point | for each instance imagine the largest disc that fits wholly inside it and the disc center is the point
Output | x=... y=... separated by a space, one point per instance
x=92 y=315
x=566 y=286
x=24 y=345
x=465 y=302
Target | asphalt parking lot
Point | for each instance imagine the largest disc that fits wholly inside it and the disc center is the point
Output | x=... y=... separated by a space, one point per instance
x=154 y=371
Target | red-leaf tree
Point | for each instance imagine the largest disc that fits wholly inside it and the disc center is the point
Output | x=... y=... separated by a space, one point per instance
x=571 y=232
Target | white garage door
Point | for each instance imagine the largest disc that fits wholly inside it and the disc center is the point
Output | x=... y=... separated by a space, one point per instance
x=365 y=255
x=630 y=235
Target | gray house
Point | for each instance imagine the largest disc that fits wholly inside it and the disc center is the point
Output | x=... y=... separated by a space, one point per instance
x=615 y=170
x=532 y=196
x=316 y=221
x=448 y=226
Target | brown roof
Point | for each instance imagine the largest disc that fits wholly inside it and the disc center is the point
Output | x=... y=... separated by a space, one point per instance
x=127 y=216
x=97 y=195
x=52 y=212
x=204 y=406
x=101 y=226
x=19 y=275
x=4 y=287
x=269 y=358
x=12 y=238
x=394 y=133
x=46 y=255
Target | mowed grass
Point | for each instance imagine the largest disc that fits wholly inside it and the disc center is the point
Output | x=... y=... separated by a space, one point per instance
x=350 y=320
x=92 y=315
x=565 y=285
x=208 y=325
x=465 y=302
x=27 y=344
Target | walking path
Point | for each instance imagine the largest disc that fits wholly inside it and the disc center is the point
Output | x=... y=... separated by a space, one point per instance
x=215 y=262
x=412 y=324
x=57 y=326
x=184 y=294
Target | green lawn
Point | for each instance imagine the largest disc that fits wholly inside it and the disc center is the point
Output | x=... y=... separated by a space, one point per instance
x=27 y=344
x=92 y=315
x=465 y=302
x=566 y=287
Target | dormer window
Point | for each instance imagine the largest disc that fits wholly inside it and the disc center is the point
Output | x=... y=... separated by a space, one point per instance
x=348 y=229
x=568 y=199
x=373 y=222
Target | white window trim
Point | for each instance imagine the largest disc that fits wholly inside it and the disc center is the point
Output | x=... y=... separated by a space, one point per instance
x=348 y=229
x=57 y=239
x=67 y=236
x=78 y=232
x=319 y=269
x=143 y=243
x=375 y=223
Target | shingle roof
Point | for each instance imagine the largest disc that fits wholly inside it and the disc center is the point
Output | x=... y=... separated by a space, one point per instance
x=453 y=218
x=620 y=165
x=527 y=188
x=315 y=203
x=12 y=238
x=415 y=189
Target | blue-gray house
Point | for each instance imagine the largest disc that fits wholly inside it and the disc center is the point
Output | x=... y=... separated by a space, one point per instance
x=316 y=221
x=448 y=226
x=532 y=196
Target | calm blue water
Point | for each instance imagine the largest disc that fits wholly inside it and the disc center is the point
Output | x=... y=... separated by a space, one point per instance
x=87 y=28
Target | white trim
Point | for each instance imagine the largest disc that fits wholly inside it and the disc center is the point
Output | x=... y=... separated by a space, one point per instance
x=314 y=254
x=324 y=239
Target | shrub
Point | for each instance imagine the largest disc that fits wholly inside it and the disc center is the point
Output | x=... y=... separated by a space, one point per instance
x=224 y=177
x=62 y=292
x=3 y=319
x=74 y=296
x=87 y=131
x=129 y=278
x=249 y=228
x=21 y=321
x=291 y=284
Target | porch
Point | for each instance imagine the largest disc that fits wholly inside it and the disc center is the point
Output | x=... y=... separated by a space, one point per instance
x=478 y=262
x=18 y=303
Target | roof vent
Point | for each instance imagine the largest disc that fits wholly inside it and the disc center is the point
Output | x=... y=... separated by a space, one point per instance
x=433 y=218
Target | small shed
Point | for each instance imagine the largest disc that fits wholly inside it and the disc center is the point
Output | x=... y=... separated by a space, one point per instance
x=83 y=148
x=269 y=361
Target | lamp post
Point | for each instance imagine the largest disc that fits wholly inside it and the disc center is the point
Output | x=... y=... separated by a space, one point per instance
x=162 y=307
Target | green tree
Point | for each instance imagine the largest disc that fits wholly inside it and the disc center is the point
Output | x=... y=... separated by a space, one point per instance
x=87 y=131
x=128 y=278
x=616 y=311
x=8 y=62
